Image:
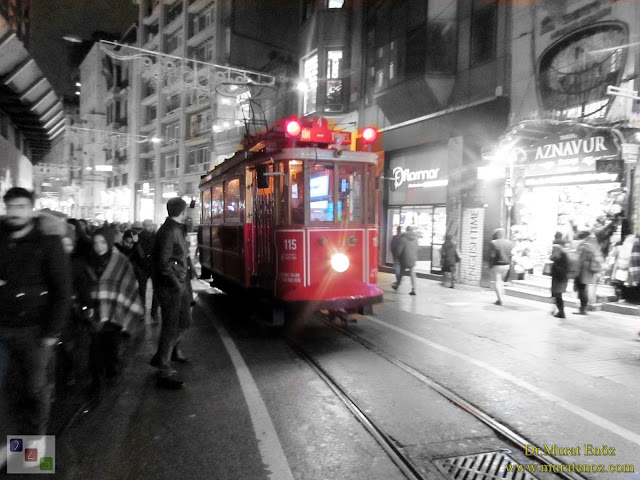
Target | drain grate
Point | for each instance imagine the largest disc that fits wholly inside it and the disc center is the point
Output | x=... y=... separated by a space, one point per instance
x=483 y=466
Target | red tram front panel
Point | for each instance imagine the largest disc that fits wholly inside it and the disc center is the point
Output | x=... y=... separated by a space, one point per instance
x=305 y=271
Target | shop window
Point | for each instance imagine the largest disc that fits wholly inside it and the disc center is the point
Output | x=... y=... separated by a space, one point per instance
x=336 y=3
x=321 y=207
x=310 y=76
x=206 y=205
x=484 y=26
x=217 y=205
x=297 y=192
x=350 y=193
x=232 y=200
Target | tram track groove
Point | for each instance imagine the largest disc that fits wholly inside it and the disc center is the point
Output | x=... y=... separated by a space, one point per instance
x=501 y=429
x=390 y=447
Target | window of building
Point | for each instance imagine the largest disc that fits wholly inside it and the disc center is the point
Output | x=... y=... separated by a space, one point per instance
x=202 y=21
x=125 y=179
x=173 y=42
x=217 y=205
x=109 y=182
x=171 y=164
x=174 y=12
x=116 y=181
x=336 y=3
x=334 y=95
x=172 y=133
x=198 y=159
x=172 y=103
x=484 y=26
x=310 y=76
x=204 y=52
x=232 y=200
x=147 y=168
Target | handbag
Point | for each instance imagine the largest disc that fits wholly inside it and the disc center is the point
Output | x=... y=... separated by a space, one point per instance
x=546 y=270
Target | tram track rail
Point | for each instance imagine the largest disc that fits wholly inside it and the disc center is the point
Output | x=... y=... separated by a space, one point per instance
x=391 y=448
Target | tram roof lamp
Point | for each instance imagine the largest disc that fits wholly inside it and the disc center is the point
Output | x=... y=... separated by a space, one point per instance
x=72 y=38
x=293 y=128
x=369 y=134
x=155 y=139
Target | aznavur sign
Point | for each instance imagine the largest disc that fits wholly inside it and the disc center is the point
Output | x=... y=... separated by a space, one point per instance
x=563 y=153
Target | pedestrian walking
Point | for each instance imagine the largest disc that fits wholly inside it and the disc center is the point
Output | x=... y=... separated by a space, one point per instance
x=500 y=261
x=395 y=243
x=146 y=240
x=589 y=265
x=131 y=249
x=170 y=278
x=450 y=256
x=115 y=300
x=35 y=296
x=559 y=275
x=408 y=256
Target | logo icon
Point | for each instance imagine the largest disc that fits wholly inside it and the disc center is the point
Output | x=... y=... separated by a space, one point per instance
x=30 y=454
x=46 y=463
x=15 y=445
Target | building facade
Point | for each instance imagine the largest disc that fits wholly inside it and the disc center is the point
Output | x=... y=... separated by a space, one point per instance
x=567 y=161
x=197 y=124
x=31 y=115
x=436 y=81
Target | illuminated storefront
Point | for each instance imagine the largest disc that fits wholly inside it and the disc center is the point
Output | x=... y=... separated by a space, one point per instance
x=417 y=198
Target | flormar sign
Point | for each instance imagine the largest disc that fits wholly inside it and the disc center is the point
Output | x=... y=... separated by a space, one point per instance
x=427 y=177
x=562 y=154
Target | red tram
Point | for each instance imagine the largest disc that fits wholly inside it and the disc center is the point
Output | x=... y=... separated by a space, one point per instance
x=293 y=219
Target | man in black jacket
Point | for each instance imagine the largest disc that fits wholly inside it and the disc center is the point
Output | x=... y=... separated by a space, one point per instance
x=172 y=279
x=146 y=240
x=35 y=296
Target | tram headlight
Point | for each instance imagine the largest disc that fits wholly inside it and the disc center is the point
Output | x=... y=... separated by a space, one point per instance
x=339 y=262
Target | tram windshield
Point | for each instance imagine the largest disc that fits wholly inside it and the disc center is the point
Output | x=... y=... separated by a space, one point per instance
x=335 y=192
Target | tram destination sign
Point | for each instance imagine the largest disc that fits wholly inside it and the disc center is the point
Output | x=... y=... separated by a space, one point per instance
x=571 y=152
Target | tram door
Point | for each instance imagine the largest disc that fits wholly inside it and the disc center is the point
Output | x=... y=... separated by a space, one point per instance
x=263 y=218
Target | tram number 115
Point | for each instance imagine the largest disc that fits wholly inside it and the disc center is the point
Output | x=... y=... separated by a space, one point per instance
x=290 y=244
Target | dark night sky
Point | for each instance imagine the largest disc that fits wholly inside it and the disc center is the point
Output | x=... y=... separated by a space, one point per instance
x=52 y=19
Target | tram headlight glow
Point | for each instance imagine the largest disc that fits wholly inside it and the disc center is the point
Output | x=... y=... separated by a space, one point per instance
x=339 y=262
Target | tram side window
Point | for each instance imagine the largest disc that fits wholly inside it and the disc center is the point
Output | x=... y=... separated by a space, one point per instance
x=297 y=192
x=232 y=200
x=217 y=206
x=321 y=193
x=206 y=205
x=282 y=185
x=350 y=193
x=372 y=196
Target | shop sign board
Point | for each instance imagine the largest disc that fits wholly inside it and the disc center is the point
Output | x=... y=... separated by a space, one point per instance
x=471 y=247
x=567 y=153
x=418 y=176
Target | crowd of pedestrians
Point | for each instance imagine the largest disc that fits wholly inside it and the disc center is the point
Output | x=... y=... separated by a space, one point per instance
x=70 y=292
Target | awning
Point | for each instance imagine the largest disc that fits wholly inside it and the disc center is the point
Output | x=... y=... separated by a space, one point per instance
x=27 y=96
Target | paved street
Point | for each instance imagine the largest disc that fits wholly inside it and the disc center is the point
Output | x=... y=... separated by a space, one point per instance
x=252 y=409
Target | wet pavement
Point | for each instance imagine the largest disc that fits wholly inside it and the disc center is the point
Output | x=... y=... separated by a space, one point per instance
x=252 y=409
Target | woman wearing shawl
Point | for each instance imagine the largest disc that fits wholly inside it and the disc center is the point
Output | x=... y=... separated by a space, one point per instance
x=115 y=298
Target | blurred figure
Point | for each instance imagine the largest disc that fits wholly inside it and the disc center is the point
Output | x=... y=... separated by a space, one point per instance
x=115 y=300
x=559 y=274
x=395 y=243
x=146 y=240
x=171 y=276
x=35 y=294
x=408 y=256
x=131 y=249
x=589 y=265
x=450 y=257
x=500 y=261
